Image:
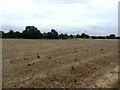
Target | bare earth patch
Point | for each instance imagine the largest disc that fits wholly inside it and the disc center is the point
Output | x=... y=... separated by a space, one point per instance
x=59 y=63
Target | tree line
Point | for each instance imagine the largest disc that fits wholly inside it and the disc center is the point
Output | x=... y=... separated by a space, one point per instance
x=31 y=32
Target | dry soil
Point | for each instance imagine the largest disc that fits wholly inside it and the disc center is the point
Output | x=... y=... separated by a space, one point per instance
x=72 y=63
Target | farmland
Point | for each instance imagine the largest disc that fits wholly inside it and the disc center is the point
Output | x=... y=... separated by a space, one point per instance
x=71 y=63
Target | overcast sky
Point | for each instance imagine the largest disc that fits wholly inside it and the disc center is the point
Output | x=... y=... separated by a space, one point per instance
x=96 y=17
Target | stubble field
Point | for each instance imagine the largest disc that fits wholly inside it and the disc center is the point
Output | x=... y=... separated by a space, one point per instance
x=59 y=63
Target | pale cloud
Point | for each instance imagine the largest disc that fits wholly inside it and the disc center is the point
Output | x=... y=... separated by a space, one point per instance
x=96 y=17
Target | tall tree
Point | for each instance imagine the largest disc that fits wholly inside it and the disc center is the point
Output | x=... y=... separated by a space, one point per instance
x=10 y=34
x=32 y=32
x=54 y=34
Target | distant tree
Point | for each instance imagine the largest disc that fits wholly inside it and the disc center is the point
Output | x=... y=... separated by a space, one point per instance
x=117 y=37
x=60 y=36
x=101 y=37
x=77 y=36
x=1 y=33
x=10 y=34
x=25 y=34
x=4 y=35
x=44 y=35
x=71 y=36
x=49 y=35
x=54 y=34
x=32 y=32
x=87 y=36
x=18 y=34
x=83 y=35
x=63 y=36
x=111 y=36
x=94 y=37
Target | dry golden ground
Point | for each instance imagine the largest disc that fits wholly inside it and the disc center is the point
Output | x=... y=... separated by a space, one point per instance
x=60 y=63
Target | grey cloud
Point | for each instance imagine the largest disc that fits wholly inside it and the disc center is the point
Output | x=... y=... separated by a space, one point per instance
x=60 y=1
x=17 y=19
x=7 y=27
x=104 y=30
